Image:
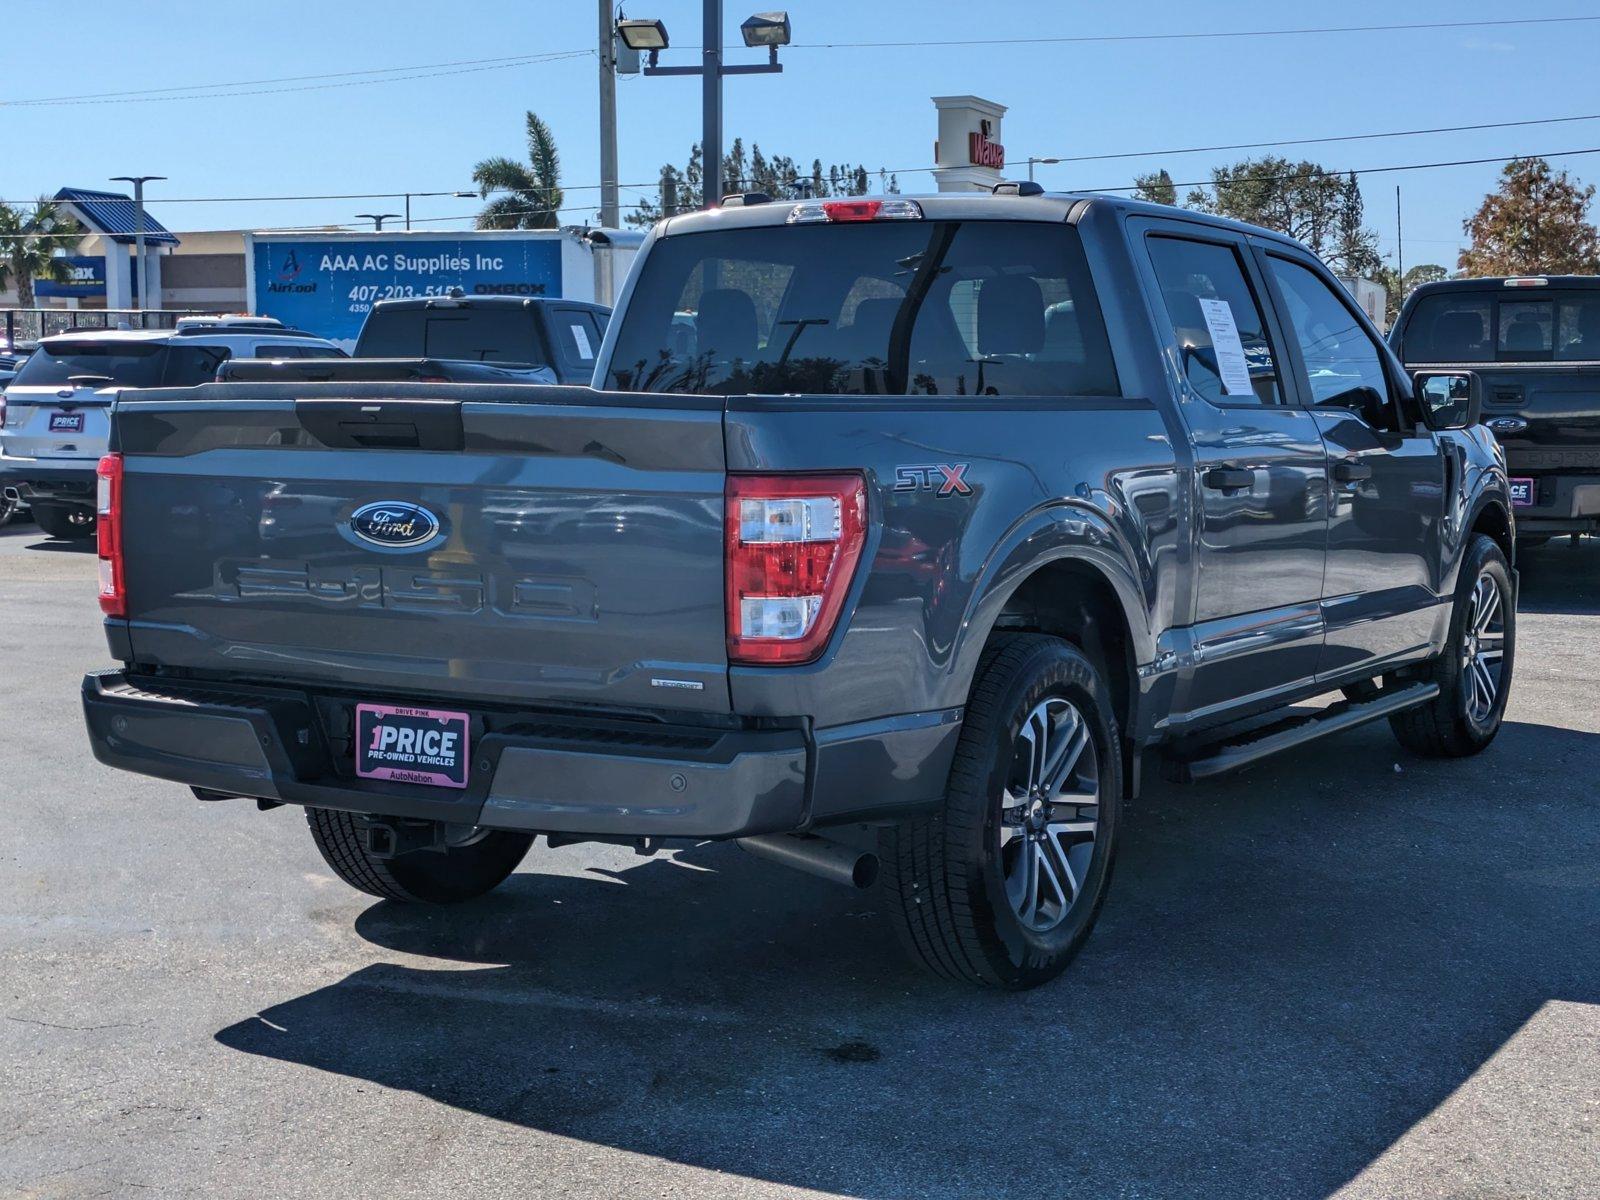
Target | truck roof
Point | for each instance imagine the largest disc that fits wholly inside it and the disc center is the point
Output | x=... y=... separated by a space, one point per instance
x=1532 y=283
x=415 y=302
x=967 y=206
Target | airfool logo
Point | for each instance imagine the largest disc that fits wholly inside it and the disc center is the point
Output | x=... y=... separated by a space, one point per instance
x=394 y=524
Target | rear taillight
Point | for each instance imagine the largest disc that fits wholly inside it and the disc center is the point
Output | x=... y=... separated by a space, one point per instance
x=108 y=525
x=793 y=542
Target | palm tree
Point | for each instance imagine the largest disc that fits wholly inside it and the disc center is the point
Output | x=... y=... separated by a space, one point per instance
x=533 y=197
x=27 y=250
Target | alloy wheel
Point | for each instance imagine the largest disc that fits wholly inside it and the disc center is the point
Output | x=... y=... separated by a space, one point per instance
x=1049 y=814
x=1483 y=649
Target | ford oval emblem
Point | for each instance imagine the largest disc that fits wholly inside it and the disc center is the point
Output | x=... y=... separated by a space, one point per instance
x=394 y=524
x=1507 y=424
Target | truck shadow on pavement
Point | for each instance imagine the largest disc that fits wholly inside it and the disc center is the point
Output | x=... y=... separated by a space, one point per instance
x=1295 y=966
x=1561 y=578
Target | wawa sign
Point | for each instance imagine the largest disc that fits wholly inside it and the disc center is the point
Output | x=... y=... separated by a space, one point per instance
x=981 y=152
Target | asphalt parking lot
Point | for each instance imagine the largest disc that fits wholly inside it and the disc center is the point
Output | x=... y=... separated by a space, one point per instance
x=1348 y=972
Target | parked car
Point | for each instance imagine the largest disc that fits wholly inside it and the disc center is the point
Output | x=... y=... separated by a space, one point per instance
x=942 y=516
x=456 y=339
x=1536 y=343
x=54 y=414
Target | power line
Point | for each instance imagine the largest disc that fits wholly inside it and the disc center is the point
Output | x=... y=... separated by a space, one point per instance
x=1087 y=39
x=1312 y=141
x=196 y=92
x=1457 y=162
x=1425 y=166
x=575 y=187
x=192 y=87
x=201 y=91
x=586 y=187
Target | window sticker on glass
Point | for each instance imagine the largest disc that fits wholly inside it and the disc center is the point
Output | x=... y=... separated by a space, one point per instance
x=1231 y=365
x=581 y=336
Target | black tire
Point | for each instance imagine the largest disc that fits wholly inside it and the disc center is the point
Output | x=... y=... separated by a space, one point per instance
x=1445 y=727
x=943 y=875
x=462 y=872
x=56 y=520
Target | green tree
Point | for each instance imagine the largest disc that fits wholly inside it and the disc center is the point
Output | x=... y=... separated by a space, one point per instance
x=751 y=170
x=1535 y=223
x=1305 y=200
x=533 y=196
x=28 y=241
x=1400 y=288
x=1157 y=188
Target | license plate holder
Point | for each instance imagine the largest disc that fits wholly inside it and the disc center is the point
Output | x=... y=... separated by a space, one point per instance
x=63 y=422
x=1524 y=493
x=404 y=744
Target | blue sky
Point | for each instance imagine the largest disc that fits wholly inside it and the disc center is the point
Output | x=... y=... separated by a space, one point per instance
x=866 y=105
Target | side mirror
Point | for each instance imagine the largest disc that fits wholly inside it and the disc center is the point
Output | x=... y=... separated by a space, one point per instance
x=1449 y=399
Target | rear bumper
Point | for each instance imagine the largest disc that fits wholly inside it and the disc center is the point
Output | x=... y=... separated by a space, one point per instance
x=1564 y=504
x=36 y=479
x=529 y=772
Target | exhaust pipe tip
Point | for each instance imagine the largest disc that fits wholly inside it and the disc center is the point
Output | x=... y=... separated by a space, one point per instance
x=826 y=859
x=12 y=495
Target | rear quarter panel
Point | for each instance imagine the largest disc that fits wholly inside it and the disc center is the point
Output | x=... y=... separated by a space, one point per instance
x=1092 y=479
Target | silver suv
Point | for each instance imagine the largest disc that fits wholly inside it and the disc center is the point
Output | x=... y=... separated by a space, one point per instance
x=55 y=413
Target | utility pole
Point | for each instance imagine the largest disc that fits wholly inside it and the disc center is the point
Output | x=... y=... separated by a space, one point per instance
x=1399 y=239
x=711 y=102
x=138 y=182
x=377 y=219
x=610 y=203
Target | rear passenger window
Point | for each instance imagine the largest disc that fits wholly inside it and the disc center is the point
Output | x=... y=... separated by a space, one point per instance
x=1219 y=326
x=574 y=332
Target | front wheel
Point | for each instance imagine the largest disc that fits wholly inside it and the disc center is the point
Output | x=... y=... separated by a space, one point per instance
x=462 y=871
x=1474 y=672
x=1003 y=885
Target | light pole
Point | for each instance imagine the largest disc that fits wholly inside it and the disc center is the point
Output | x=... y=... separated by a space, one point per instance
x=377 y=219
x=610 y=201
x=408 y=195
x=769 y=29
x=138 y=182
x=1031 y=161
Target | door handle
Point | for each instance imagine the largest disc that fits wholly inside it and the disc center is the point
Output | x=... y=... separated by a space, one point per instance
x=1228 y=479
x=1351 y=471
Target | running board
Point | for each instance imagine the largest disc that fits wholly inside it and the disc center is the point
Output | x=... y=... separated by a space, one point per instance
x=1297 y=731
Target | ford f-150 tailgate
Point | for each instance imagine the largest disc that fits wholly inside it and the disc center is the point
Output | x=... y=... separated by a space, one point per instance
x=552 y=545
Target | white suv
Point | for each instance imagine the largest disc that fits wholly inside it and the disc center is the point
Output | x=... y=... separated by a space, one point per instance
x=55 y=415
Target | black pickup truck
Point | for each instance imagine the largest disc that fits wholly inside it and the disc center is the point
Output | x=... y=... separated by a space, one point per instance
x=454 y=339
x=896 y=535
x=1535 y=341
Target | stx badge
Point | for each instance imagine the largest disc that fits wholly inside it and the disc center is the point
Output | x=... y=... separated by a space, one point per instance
x=948 y=479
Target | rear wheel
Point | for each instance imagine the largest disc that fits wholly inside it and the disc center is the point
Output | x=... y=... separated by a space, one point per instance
x=72 y=521
x=462 y=871
x=1003 y=886
x=1474 y=672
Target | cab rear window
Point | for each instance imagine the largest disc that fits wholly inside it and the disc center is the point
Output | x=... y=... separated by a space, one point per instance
x=1480 y=327
x=119 y=364
x=867 y=308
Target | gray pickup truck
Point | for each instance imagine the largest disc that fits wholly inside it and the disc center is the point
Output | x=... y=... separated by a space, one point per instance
x=894 y=536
